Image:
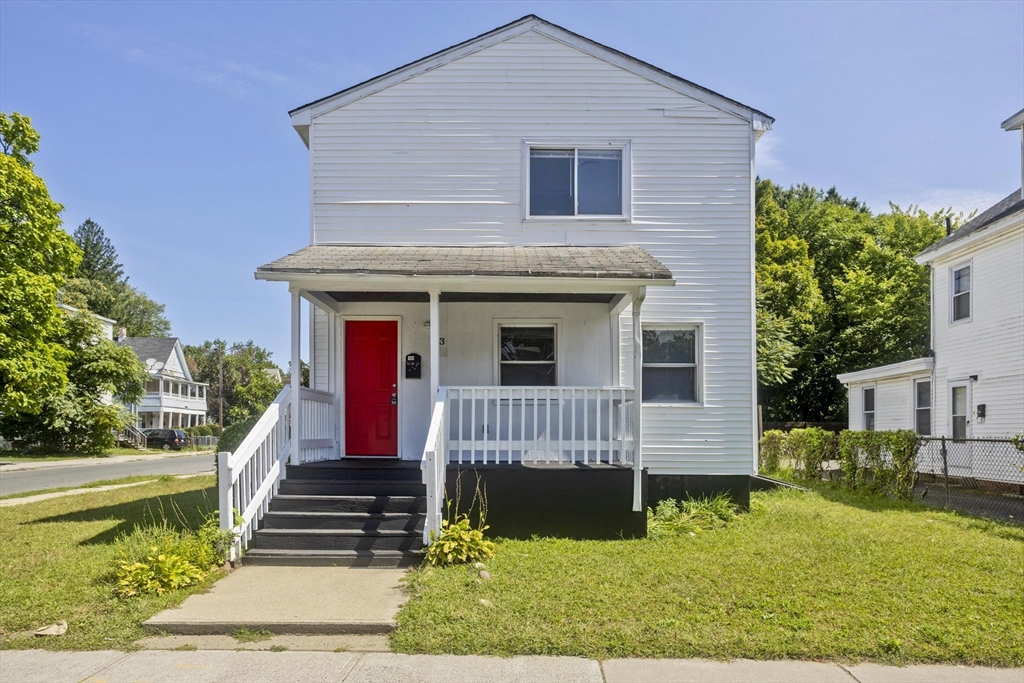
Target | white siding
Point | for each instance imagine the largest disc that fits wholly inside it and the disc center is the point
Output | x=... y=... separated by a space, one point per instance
x=991 y=344
x=437 y=160
x=318 y=367
x=173 y=365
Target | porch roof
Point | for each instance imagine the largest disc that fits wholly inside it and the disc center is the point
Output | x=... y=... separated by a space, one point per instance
x=613 y=263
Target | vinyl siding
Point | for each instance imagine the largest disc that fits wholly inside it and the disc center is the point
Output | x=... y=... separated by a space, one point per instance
x=437 y=159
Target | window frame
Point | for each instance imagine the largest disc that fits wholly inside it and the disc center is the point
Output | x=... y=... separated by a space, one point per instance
x=914 y=382
x=952 y=293
x=577 y=144
x=499 y=323
x=873 y=388
x=698 y=364
x=968 y=406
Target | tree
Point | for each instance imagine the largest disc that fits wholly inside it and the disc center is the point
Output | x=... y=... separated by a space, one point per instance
x=99 y=258
x=36 y=256
x=82 y=418
x=248 y=388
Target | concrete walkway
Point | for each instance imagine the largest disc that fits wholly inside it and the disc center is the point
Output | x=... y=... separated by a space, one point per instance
x=23 y=465
x=206 y=666
x=293 y=600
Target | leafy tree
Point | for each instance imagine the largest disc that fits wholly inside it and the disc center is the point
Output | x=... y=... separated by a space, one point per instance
x=83 y=417
x=248 y=387
x=36 y=256
x=99 y=258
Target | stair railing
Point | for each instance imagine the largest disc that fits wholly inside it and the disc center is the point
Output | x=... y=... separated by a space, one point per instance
x=134 y=436
x=248 y=479
x=434 y=465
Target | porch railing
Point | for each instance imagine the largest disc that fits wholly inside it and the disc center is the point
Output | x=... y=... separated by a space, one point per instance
x=317 y=439
x=435 y=465
x=550 y=425
x=249 y=477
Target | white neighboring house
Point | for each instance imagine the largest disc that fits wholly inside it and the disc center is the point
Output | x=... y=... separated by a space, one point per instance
x=172 y=398
x=973 y=384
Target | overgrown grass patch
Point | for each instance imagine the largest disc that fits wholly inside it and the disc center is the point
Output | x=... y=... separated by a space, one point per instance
x=806 y=575
x=57 y=560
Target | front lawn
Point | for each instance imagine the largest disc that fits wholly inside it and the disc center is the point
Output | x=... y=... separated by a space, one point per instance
x=805 y=575
x=57 y=560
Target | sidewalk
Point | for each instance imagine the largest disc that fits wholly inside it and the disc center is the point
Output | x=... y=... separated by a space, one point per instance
x=208 y=666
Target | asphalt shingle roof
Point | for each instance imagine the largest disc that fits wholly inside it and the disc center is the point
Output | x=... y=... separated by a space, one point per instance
x=628 y=262
x=1011 y=204
x=145 y=348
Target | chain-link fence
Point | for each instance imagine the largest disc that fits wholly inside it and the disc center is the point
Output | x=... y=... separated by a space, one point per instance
x=977 y=476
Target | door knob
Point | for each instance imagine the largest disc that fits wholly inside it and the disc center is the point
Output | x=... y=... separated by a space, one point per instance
x=394 y=399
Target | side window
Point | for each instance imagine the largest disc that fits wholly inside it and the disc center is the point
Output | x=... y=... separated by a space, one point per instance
x=577 y=182
x=670 y=364
x=961 y=293
x=923 y=407
x=526 y=355
x=869 y=409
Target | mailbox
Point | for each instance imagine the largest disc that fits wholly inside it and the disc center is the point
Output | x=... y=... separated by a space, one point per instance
x=413 y=366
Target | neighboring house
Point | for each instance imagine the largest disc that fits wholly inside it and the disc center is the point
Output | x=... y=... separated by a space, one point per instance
x=527 y=252
x=172 y=398
x=972 y=385
x=106 y=324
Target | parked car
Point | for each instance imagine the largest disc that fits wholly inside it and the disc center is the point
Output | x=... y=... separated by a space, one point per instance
x=167 y=439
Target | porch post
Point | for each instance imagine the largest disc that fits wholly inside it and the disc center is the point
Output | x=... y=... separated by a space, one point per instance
x=296 y=372
x=638 y=381
x=435 y=346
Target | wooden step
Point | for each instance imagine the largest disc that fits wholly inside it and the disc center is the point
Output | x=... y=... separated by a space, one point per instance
x=331 y=558
x=367 y=521
x=367 y=487
x=337 y=539
x=319 y=503
x=402 y=474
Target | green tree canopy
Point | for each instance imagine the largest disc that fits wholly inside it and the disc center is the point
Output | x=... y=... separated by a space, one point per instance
x=248 y=387
x=99 y=258
x=36 y=256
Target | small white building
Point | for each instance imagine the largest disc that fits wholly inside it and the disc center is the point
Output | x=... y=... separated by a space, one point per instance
x=173 y=398
x=973 y=383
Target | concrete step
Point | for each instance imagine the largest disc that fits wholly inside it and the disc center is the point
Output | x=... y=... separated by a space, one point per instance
x=354 y=474
x=315 y=503
x=368 y=487
x=337 y=539
x=331 y=558
x=367 y=521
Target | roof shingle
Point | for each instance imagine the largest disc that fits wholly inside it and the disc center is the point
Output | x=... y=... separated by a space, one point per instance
x=1010 y=204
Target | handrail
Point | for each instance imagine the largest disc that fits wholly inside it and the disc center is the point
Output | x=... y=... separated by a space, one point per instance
x=249 y=477
x=434 y=465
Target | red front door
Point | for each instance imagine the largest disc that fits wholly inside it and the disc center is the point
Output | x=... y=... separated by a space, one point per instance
x=371 y=387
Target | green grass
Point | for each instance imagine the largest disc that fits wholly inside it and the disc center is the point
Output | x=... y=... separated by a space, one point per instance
x=57 y=561
x=247 y=635
x=93 y=484
x=52 y=457
x=823 y=574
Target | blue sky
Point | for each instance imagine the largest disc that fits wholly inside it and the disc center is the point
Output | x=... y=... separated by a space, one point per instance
x=167 y=122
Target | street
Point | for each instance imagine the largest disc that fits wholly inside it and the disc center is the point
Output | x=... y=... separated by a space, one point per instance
x=50 y=475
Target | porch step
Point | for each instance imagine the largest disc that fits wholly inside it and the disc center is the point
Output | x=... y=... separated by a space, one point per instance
x=367 y=521
x=338 y=539
x=304 y=503
x=331 y=558
x=354 y=474
x=344 y=487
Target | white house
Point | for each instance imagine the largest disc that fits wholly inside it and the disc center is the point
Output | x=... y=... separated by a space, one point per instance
x=532 y=256
x=972 y=385
x=173 y=398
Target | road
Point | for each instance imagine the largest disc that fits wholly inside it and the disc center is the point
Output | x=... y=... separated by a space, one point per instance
x=51 y=477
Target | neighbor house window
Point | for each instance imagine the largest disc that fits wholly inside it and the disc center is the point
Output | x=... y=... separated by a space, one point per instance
x=670 y=365
x=526 y=355
x=577 y=182
x=152 y=386
x=961 y=293
x=869 y=409
x=923 y=407
x=958 y=411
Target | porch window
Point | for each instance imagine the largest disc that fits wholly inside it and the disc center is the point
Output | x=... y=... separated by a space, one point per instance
x=923 y=407
x=670 y=365
x=961 y=303
x=576 y=182
x=869 y=409
x=526 y=355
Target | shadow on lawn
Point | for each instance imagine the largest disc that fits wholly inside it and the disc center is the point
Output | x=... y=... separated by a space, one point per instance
x=184 y=510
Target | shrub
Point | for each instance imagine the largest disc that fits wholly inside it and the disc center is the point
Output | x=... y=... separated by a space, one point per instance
x=672 y=518
x=899 y=473
x=772 y=450
x=459 y=541
x=809 y=447
x=158 y=573
x=231 y=438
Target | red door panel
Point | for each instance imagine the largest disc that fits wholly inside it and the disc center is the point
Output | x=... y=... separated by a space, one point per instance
x=371 y=380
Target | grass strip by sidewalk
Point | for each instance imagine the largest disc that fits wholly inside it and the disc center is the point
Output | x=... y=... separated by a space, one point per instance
x=92 y=485
x=17 y=458
x=823 y=574
x=57 y=561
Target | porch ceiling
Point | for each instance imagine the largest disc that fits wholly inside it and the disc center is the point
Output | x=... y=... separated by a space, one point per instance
x=615 y=263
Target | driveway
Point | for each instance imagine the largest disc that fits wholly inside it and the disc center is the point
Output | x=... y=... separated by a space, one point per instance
x=49 y=475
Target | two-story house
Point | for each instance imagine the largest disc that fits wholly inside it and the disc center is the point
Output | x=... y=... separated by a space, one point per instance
x=972 y=384
x=531 y=256
x=173 y=398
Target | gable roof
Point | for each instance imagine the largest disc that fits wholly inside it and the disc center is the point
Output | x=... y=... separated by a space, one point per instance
x=531 y=22
x=159 y=348
x=1009 y=205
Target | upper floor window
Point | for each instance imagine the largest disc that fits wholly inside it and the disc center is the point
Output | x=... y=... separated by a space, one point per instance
x=670 y=365
x=578 y=181
x=526 y=355
x=869 y=409
x=961 y=303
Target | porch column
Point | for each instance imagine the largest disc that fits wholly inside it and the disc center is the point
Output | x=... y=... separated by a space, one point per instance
x=161 y=413
x=435 y=346
x=638 y=382
x=296 y=371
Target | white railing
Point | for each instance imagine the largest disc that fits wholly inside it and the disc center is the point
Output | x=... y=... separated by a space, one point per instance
x=435 y=466
x=550 y=425
x=250 y=476
x=317 y=440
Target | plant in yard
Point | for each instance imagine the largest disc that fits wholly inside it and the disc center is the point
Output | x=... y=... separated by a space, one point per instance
x=692 y=516
x=809 y=448
x=899 y=473
x=160 y=572
x=772 y=450
x=459 y=541
x=1018 y=441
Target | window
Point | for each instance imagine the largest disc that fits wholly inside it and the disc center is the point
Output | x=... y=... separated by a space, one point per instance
x=670 y=365
x=923 y=407
x=577 y=182
x=869 y=409
x=958 y=411
x=961 y=293
x=526 y=355
x=152 y=386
